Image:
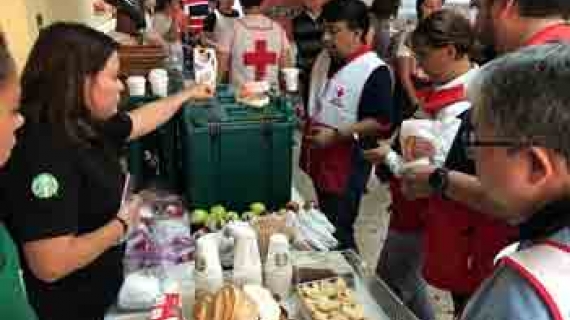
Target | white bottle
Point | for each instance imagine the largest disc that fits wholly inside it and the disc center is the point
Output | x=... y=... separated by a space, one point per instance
x=208 y=274
x=278 y=267
x=247 y=261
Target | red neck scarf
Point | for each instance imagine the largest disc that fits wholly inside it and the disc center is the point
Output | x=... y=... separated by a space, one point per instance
x=434 y=101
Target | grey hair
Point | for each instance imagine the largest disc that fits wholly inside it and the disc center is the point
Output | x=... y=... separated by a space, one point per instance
x=525 y=96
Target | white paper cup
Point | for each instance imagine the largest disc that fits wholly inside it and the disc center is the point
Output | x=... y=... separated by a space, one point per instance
x=291 y=77
x=159 y=87
x=157 y=74
x=136 y=85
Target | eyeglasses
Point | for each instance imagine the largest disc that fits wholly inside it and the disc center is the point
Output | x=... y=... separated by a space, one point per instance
x=470 y=141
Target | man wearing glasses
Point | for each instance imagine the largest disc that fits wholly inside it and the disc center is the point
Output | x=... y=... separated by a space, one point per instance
x=350 y=104
x=522 y=152
x=507 y=25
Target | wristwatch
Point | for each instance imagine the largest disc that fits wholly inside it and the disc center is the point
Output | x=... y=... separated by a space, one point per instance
x=439 y=180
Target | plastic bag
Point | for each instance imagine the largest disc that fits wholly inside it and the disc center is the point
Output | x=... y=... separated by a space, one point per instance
x=140 y=291
x=311 y=228
x=163 y=238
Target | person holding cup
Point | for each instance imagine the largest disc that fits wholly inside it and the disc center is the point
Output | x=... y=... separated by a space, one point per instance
x=350 y=104
x=458 y=242
x=63 y=186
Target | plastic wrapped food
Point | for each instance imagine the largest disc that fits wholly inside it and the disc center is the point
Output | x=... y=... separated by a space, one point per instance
x=163 y=238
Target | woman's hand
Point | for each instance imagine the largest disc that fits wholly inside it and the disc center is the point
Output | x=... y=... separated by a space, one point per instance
x=130 y=213
x=200 y=92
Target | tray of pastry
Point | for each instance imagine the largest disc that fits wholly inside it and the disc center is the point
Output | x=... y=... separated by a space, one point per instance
x=336 y=286
x=329 y=299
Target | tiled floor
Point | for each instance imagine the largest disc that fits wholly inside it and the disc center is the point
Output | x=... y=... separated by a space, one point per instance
x=371 y=228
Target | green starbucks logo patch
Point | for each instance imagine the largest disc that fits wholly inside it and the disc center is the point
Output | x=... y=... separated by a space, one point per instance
x=45 y=186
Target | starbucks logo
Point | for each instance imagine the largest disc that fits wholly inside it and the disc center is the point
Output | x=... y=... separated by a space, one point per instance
x=45 y=186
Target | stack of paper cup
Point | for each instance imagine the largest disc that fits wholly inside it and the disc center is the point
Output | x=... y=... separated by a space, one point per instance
x=159 y=82
x=137 y=86
x=291 y=77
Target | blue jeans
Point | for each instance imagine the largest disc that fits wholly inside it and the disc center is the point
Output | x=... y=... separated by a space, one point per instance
x=400 y=266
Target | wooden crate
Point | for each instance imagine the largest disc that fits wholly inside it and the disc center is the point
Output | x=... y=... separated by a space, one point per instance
x=140 y=59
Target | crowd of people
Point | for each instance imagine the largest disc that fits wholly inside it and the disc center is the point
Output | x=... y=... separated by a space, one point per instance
x=498 y=173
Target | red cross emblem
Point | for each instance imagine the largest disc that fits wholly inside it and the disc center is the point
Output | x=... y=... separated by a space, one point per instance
x=260 y=59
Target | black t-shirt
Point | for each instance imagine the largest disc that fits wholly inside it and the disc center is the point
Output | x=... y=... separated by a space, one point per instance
x=53 y=187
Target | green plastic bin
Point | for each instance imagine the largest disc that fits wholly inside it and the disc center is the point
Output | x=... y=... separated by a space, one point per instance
x=234 y=155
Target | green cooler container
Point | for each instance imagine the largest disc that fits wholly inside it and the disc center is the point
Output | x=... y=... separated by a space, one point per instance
x=235 y=155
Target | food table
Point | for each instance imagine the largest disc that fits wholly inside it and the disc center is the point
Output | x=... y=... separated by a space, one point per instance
x=378 y=301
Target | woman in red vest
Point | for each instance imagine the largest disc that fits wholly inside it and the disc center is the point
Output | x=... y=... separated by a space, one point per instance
x=459 y=243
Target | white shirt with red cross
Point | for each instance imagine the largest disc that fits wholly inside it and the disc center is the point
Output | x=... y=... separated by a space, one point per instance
x=257 y=48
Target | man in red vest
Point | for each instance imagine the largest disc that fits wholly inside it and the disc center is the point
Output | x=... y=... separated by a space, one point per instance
x=521 y=148
x=511 y=24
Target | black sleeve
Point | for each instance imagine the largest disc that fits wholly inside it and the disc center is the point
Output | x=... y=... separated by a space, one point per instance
x=41 y=189
x=118 y=128
x=376 y=100
x=210 y=22
x=458 y=158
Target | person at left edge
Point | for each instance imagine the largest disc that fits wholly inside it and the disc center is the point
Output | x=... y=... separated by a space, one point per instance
x=13 y=302
x=63 y=185
x=349 y=100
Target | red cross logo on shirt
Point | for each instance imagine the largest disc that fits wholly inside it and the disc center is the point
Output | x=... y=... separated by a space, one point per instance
x=260 y=59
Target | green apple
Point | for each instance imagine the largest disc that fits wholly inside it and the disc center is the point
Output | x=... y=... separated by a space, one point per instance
x=199 y=216
x=218 y=210
x=232 y=216
x=246 y=216
x=257 y=208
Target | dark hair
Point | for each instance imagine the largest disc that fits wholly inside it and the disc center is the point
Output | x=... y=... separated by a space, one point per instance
x=53 y=81
x=7 y=65
x=162 y=5
x=543 y=8
x=353 y=12
x=419 y=4
x=385 y=9
x=247 y=4
x=443 y=28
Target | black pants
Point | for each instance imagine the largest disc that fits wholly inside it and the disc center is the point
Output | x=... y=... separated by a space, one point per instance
x=342 y=211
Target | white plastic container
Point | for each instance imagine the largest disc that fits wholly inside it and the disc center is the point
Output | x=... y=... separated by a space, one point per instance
x=291 y=77
x=208 y=270
x=278 y=266
x=247 y=261
x=137 y=86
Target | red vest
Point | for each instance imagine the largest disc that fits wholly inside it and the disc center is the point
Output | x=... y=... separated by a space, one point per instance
x=408 y=215
x=459 y=244
x=555 y=33
x=330 y=167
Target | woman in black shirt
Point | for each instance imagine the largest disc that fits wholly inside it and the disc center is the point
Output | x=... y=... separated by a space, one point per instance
x=63 y=184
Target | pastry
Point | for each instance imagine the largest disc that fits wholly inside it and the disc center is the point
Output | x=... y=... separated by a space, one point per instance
x=330 y=299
